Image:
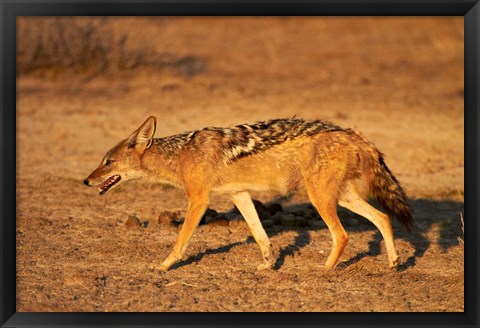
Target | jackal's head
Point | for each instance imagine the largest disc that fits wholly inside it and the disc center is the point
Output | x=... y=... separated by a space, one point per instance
x=124 y=161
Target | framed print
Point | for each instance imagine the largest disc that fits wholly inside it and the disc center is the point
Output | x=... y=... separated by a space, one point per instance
x=239 y=164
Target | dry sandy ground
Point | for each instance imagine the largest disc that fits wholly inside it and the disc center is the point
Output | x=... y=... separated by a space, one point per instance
x=399 y=81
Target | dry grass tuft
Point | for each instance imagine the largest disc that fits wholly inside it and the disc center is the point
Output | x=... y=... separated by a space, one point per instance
x=90 y=45
x=461 y=239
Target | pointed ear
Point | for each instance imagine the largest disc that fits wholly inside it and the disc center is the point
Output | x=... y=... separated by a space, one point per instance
x=142 y=138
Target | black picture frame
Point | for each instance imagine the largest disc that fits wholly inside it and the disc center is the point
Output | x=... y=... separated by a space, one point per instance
x=9 y=10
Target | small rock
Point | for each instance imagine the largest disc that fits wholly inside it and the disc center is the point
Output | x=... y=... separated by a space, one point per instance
x=101 y=281
x=274 y=208
x=132 y=222
x=170 y=218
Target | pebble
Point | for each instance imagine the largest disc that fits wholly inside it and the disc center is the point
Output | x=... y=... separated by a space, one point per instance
x=132 y=222
x=169 y=217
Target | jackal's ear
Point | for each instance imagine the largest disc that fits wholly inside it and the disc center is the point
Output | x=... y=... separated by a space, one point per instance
x=142 y=138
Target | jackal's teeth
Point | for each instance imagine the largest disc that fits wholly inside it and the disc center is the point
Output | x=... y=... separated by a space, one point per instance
x=108 y=184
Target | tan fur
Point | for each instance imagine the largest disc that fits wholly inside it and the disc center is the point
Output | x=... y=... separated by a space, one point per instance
x=279 y=155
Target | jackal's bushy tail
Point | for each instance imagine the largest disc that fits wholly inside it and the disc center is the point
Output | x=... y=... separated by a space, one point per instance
x=387 y=190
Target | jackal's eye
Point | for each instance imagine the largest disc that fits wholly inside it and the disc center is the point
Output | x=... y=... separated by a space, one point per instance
x=109 y=161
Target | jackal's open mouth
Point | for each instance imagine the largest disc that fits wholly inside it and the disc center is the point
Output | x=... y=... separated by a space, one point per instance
x=109 y=184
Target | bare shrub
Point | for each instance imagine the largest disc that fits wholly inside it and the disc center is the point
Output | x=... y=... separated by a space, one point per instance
x=63 y=43
x=90 y=45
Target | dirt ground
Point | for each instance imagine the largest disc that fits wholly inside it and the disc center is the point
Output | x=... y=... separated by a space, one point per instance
x=397 y=80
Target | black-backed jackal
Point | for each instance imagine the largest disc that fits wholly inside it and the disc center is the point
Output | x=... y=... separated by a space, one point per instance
x=335 y=165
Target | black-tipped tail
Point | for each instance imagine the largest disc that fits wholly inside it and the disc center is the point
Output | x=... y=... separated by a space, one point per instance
x=386 y=188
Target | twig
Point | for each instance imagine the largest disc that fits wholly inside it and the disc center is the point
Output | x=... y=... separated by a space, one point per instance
x=463 y=230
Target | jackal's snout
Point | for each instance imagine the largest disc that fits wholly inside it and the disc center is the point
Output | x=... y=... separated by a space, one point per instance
x=86 y=182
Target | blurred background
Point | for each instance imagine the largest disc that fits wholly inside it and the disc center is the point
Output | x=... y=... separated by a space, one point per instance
x=93 y=80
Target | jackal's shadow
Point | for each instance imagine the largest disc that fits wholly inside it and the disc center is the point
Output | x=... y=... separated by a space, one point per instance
x=301 y=240
x=443 y=215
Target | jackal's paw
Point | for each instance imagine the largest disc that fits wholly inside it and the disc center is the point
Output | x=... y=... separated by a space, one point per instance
x=393 y=263
x=265 y=265
x=158 y=267
x=329 y=267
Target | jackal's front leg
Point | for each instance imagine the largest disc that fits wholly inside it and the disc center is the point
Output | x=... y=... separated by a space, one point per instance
x=244 y=203
x=196 y=208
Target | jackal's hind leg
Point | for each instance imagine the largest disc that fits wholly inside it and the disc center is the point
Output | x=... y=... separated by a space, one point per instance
x=195 y=210
x=244 y=203
x=326 y=205
x=352 y=200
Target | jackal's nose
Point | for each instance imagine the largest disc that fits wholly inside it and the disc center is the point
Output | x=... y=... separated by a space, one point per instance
x=86 y=182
